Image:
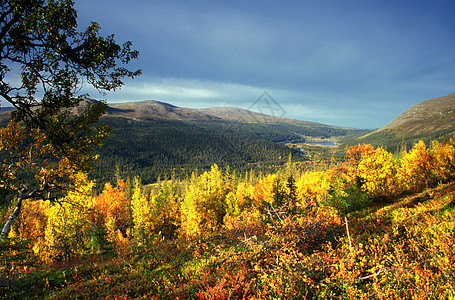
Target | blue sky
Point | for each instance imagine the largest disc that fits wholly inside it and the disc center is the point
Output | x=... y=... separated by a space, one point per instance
x=348 y=63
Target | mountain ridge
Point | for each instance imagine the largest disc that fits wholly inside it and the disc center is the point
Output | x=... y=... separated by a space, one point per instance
x=431 y=119
x=437 y=111
x=149 y=109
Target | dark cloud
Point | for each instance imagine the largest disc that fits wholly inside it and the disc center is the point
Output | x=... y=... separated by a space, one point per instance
x=332 y=59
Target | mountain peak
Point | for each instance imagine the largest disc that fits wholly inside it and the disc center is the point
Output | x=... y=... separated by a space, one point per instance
x=152 y=109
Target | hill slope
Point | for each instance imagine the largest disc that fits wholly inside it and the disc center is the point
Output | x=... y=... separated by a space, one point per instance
x=428 y=120
x=153 y=138
x=229 y=120
x=425 y=117
x=151 y=109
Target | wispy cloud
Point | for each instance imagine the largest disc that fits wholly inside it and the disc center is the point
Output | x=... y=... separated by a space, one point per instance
x=190 y=92
x=171 y=90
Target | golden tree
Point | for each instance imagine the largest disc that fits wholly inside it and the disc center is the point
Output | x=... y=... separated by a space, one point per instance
x=417 y=167
x=70 y=225
x=114 y=208
x=204 y=206
x=141 y=212
x=444 y=159
x=380 y=172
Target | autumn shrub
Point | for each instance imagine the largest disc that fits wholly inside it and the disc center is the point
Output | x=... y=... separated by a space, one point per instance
x=378 y=169
x=68 y=230
x=141 y=212
x=31 y=225
x=242 y=208
x=312 y=188
x=165 y=212
x=444 y=158
x=400 y=251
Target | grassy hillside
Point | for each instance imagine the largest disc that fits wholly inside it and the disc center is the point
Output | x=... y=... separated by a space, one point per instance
x=428 y=120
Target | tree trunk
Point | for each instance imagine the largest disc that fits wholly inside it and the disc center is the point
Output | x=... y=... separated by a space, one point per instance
x=16 y=211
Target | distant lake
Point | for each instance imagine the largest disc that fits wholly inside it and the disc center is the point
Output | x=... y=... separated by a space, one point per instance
x=322 y=143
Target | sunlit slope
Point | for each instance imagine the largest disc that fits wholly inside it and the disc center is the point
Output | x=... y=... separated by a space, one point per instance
x=428 y=120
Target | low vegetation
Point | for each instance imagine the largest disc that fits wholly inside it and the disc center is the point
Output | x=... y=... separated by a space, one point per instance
x=373 y=226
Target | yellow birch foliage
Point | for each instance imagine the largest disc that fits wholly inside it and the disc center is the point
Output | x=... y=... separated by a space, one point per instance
x=141 y=211
x=312 y=188
x=379 y=170
x=444 y=159
x=31 y=156
x=245 y=195
x=189 y=212
x=416 y=167
x=355 y=154
x=243 y=207
x=165 y=214
x=31 y=224
x=241 y=198
x=204 y=205
x=69 y=227
x=264 y=189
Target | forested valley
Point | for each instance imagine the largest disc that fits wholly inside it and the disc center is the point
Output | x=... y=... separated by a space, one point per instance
x=156 y=149
x=150 y=142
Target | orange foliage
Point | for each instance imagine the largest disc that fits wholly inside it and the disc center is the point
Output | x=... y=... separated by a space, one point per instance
x=114 y=209
x=31 y=224
x=356 y=153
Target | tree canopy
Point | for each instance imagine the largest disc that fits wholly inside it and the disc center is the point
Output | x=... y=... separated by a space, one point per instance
x=45 y=61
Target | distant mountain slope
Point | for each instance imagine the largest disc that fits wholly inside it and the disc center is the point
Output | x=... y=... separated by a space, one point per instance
x=427 y=116
x=157 y=148
x=231 y=120
x=151 y=109
x=428 y=120
x=153 y=139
